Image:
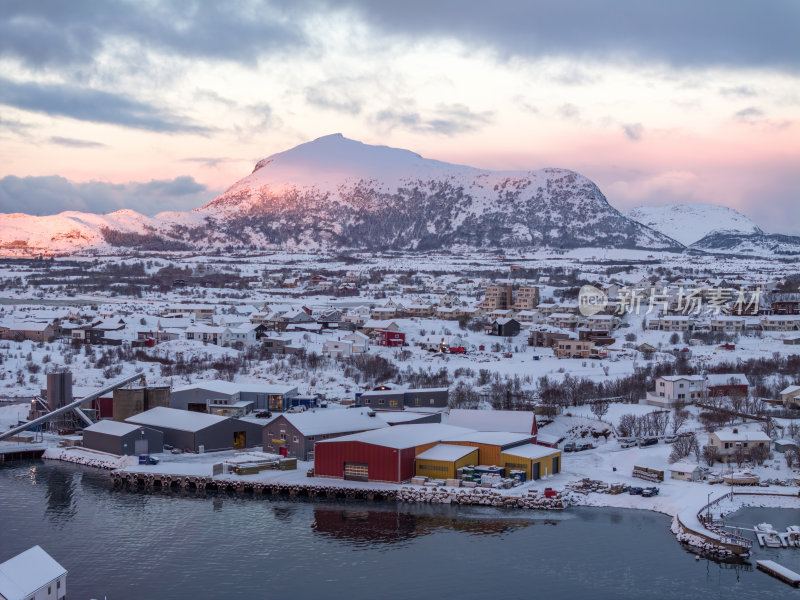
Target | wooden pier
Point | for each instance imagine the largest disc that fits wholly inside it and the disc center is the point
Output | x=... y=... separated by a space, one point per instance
x=438 y=495
x=779 y=572
x=20 y=453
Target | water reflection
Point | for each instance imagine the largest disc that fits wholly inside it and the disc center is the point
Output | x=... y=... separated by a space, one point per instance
x=60 y=490
x=365 y=526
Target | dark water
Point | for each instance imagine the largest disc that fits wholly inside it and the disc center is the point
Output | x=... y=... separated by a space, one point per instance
x=127 y=545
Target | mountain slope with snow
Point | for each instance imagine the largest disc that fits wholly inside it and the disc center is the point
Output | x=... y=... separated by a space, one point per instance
x=689 y=223
x=335 y=192
x=338 y=193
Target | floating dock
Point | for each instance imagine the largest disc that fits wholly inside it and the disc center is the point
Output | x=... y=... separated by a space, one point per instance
x=779 y=572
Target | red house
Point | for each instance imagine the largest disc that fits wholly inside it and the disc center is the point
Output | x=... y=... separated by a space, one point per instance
x=727 y=384
x=392 y=339
x=385 y=454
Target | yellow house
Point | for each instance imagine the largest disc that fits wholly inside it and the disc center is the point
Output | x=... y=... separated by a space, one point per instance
x=537 y=461
x=443 y=460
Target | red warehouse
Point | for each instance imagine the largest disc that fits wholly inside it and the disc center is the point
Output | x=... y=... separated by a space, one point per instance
x=385 y=455
x=391 y=338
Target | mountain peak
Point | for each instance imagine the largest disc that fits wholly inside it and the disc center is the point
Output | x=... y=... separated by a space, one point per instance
x=689 y=223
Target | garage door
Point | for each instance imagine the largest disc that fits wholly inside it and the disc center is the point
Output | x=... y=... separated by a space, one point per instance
x=356 y=471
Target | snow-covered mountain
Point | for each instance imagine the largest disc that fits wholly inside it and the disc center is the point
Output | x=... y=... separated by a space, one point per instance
x=689 y=223
x=748 y=244
x=338 y=193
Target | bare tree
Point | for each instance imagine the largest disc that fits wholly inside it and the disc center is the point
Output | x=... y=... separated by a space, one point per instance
x=768 y=427
x=626 y=425
x=760 y=453
x=710 y=454
x=739 y=455
x=683 y=447
x=791 y=458
x=599 y=409
x=679 y=418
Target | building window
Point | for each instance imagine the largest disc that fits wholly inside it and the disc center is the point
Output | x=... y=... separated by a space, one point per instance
x=295 y=439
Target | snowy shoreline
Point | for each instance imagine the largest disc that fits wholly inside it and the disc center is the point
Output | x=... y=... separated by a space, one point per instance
x=685 y=526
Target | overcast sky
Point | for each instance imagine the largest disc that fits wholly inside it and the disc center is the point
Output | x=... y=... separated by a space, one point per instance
x=161 y=105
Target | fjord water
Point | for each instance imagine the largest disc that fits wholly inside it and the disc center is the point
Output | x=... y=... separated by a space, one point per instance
x=126 y=545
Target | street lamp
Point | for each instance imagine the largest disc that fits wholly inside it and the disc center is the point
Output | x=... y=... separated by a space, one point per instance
x=708 y=508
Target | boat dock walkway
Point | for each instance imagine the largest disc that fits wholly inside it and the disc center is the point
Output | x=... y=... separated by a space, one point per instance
x=779 y=572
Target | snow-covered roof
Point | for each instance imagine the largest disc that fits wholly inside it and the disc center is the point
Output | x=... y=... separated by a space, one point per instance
x=741 y=436
x=324 y=421
x=716 y=379
x=173 y=418
x=230 y=388
x=402 y=436
x=532 y=451
x=447 y=452
x=492 y=420
x=28 y=326
x=683 y=467
x=109 y=427
x=495 y=438
x=791 y=389
x=28 y=572
x=696 y=378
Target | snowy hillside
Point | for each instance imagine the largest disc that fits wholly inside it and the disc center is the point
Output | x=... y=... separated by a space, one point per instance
x=689 y=223
x=338 y=193
x=755 y=244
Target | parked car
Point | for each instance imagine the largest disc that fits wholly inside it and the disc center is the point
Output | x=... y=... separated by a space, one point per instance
x=635 y=491
x=570 y=447
x=648 y=442
x=151 y=460
x=297 y=409
x=584 y=446
x=627 y=443
x=670 y=439
x=649 y=492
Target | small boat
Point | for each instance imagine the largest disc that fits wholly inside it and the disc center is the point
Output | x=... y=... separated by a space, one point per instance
x=767 y=536
x=741 y=478
x=793 y=536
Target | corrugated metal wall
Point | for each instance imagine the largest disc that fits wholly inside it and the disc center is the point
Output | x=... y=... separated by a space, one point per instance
x=329 y=459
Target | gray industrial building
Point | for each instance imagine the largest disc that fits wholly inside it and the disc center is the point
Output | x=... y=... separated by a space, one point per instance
x=123 y=439
x=195 y=397
x=294 y=434
x=193 y=431
x=399 y=398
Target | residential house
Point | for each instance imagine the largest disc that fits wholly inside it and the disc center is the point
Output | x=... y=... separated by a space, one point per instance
x=780 y=322
x=790 y=396
x=574 y=348
x=34 y=332
x=676 y=389
x=724 y=324
x=505 y=327
x=526 y=298
x=726 y=384
x=337 y=348
x=729 y=442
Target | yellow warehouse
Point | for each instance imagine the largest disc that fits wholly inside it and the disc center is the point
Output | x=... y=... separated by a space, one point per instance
x=442 y=461
x=537 y=461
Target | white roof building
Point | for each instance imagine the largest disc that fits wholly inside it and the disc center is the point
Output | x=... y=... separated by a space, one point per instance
x=32 y=574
